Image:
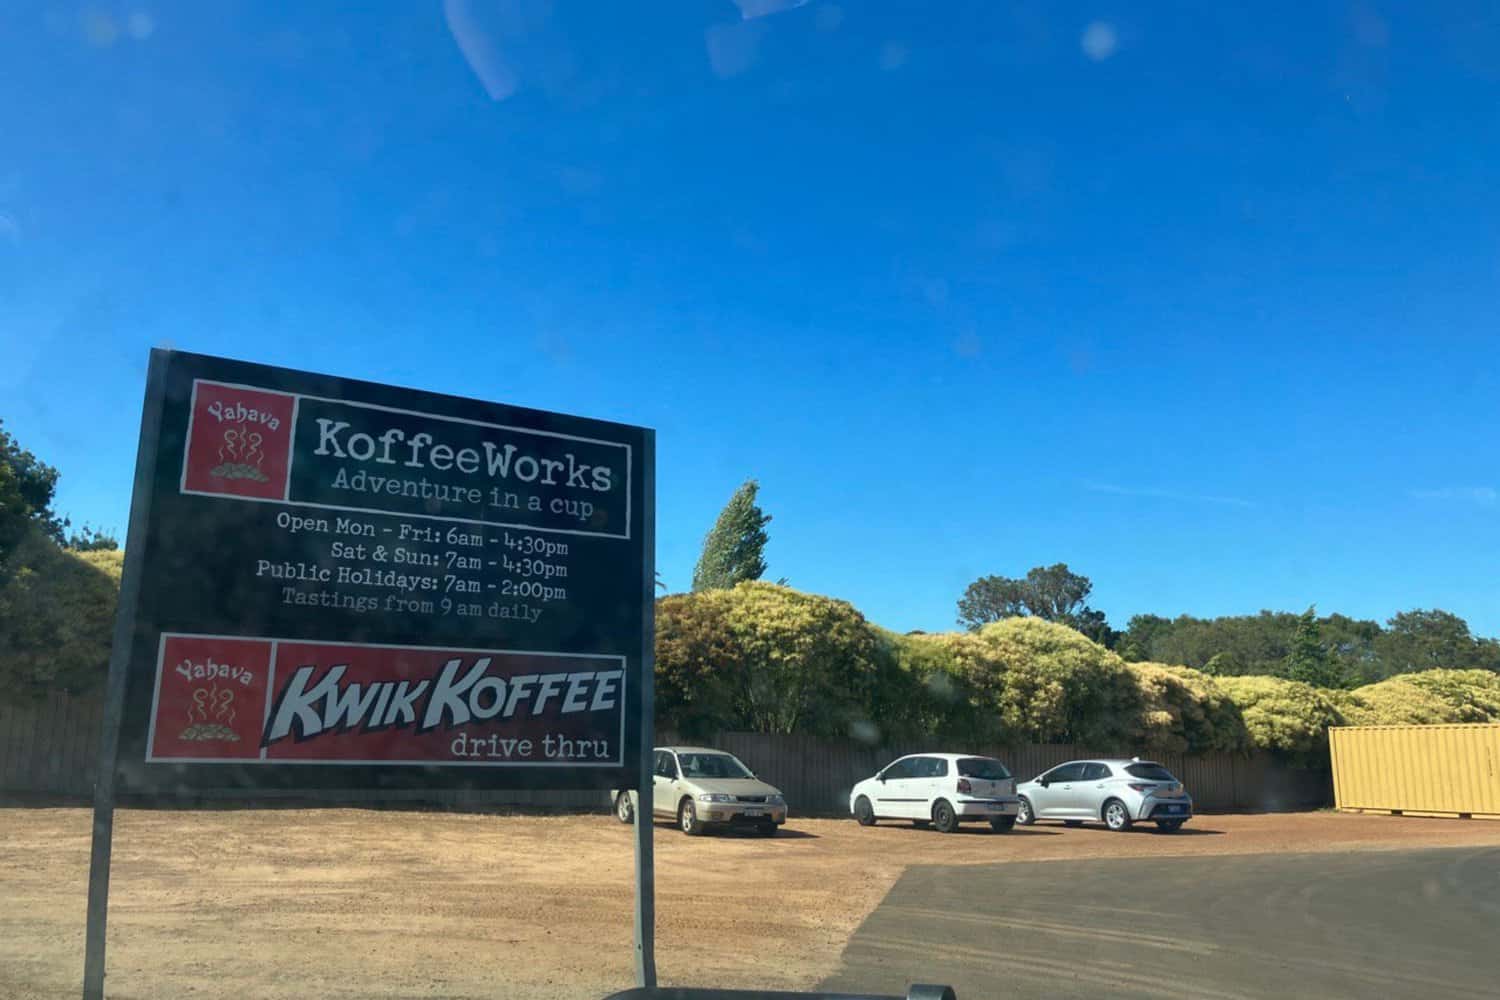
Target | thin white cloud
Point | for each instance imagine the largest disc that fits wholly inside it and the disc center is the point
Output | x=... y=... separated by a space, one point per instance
x=1485 y=495
x=750 y=9
x=1160 y=494
x=480 y=49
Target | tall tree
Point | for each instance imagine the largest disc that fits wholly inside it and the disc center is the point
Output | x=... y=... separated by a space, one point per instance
x=26 y=487
x=1053 y=593
x=1308 y=661
x=734 y=549
x=1138 y=640
x=1423 y=639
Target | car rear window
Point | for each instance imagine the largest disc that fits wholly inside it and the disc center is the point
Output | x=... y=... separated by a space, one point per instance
x=1151 y=772
x=984 y=768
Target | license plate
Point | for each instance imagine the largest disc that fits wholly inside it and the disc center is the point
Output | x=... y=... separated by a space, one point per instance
x=754 y=812
x=1171 y=809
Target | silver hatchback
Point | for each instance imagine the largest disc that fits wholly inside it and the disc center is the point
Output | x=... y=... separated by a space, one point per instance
x=1118 y=793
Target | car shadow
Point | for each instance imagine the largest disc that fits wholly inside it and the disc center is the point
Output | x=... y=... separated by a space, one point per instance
x=1146 y=828
x=978 y=830
x=1030 y=831
x=1019 y=831
x=785 y=833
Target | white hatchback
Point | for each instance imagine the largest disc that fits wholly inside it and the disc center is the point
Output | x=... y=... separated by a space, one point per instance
x=941 y=789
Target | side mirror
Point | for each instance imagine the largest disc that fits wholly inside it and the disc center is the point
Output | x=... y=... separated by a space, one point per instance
x=881 y=778
x=1043 y=782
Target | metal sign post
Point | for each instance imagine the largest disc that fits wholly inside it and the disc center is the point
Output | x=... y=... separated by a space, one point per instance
x=333 y=584
x=645 y=815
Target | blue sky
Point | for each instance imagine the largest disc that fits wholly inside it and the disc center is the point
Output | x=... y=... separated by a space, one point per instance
x=1202 y=303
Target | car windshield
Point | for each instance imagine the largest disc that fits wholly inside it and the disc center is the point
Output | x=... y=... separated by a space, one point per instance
x=986 y=768
x=1151 y=772
x=712 y=765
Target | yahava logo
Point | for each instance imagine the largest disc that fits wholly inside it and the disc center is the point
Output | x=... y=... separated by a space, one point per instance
x=239 y=443
x=210 y=697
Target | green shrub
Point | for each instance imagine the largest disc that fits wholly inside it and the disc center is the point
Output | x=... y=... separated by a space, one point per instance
x=1285 y=716
x=921 y=693
x=698 y=665
x=1475 y=694
x=809 y=661
x=764 y=658
x=1429 y=697
x=1048 y=684
x=57 y=616
x=1186 y=711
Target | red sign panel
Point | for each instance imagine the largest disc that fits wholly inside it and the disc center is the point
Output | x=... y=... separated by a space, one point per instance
x=243 y=700
x=210 y=697
x=239 y=442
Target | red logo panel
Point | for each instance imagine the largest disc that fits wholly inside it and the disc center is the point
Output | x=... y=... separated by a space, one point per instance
x=271 y=701
x=210 y=698
x=240 y=443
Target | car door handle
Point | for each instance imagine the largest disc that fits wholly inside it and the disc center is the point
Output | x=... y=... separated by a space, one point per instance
x=1098 y=786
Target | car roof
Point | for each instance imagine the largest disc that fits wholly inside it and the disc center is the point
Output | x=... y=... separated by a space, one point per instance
x=949 y=756
x=1117 y=761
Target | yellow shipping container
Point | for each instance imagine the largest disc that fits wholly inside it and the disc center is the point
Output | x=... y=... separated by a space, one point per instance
x=1422 y=770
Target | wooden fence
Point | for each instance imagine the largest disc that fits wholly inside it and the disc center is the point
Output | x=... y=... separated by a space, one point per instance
x=50 y=747
x=49 y=750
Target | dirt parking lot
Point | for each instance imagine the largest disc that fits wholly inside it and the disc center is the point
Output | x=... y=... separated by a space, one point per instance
x=352 y=903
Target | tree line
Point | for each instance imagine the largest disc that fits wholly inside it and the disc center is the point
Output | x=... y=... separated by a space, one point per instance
x=1333 y=651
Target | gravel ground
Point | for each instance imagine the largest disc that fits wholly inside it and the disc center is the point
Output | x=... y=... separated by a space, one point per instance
x=351 y=903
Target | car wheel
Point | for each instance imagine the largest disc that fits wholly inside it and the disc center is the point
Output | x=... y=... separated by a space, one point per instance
x=687 y=818
x=864 y=812
x=1072 y=822
x=766 y=829
x=944 y=819
x=1169 y=825
x=624 y=811
x=1116 y=816
x=1003 y=824
x=1024 y=815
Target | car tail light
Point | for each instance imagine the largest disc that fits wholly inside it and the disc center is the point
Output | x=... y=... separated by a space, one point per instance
x=1134 y=787
x=964 y=786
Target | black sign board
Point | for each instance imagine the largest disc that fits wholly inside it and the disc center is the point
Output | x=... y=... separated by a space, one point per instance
x=343 y=584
